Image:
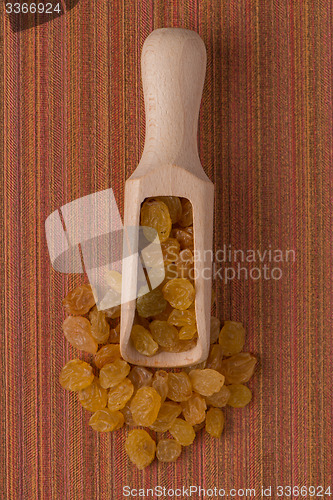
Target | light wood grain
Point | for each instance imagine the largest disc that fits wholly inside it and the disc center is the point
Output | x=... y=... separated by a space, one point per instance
x=173 y=70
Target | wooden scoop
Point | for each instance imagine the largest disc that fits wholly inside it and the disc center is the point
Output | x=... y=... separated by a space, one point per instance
x=173 y=70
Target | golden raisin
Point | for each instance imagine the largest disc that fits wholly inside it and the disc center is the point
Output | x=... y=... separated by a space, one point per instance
x=184 y=237
x=214 y=329
x=77 y=331
x=215 y=358
x=232 y=338
x=220 y=398
x=187 y=214
x=207 y=381
x=180 y=387
x=179 y=292
x=93 y=397
x=160 y=383
x=238 y=368
x=106 y=420
x=168 y=450
x=240 y=395
x=194 y=409
x=140 y=377
x=163 y=333
x=167 y=414
x=182 y=318
x=128 y=415
x=79 y=301
x=114 y=280
x=151 y=303
x=143 y=341
x=76 y=375
x=214 y=422
x=120 y=394
x=187 y=332
x=174 y=205
x=113 y=373
x=107 y=354
x=155 y=214
x=182 y=431
x=100 y=328
x=145 y=406
x=140 y=448
x=113 y=312
x=170 y=249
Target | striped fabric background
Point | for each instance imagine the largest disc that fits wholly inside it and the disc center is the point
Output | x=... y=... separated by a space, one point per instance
x=72 y=123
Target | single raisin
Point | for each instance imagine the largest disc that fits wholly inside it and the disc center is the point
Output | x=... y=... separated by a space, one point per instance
x=168 y=450
x=160 y=383
x=215 y=358
x=220 y=398
x=238 y=368
x=163 y=333
x=107 y=354
x=179 y=292
x=232 y=338
x=194 y=409
x=140 y=448
x=77 y=331
x=187 y=213
x=79 y=301
x=151 y=303
x=93 y=397
x=187 y=332
x=182 y=431
x=120 y=394
x=180 y=387
x=182 y=318
x=214 y=422
x=174 y=205
x=167 y=414
x=114 y=337
x=113 y=373
x=143 y=341
x=240 y=395
x=140 y=377
x=106 y=420
x=145 y=406
x=100 y=328
x=155 y=214
x=76 y=375
x=207 y=381
x=184 y=237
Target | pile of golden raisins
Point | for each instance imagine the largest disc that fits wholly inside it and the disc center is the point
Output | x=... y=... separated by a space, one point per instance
x=165 y=317
x=177 y=402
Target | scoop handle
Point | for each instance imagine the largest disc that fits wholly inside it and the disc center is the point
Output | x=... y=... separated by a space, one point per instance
x=173 y=65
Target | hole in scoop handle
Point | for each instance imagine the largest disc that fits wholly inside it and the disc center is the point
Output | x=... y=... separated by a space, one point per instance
x=173 y=64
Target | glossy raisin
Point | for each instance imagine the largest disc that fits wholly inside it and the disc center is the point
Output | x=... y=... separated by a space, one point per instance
x=167 y=414
x=79 y=301
x=106 y=420
x=155 y=214
x=214 y=422
x=215 y=358
x=145 y=406
x=179 y=292
x=174 y=205
x=76 y=375
x=120 y=394
x=160 y=383
x=151 y=303
x=194 y=409
x=140 y=377
x=240 y=395
x=140 y=448
x=143 y=341
x=163 y=333
x=77 y=331
x=182 y=318
x=100 y=328
x=238 y=368
x=232 y=338
x=180 y=387
x=220 y=398
x=113 y=373
x=168 y=450
x=182 y=431
x=107 y=354
x=206 y=381
x=93 y=397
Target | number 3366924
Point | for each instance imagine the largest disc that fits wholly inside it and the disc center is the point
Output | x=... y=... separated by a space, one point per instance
x=32 y=8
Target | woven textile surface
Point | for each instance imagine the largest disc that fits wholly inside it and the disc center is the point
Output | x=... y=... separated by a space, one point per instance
x=72 y=123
